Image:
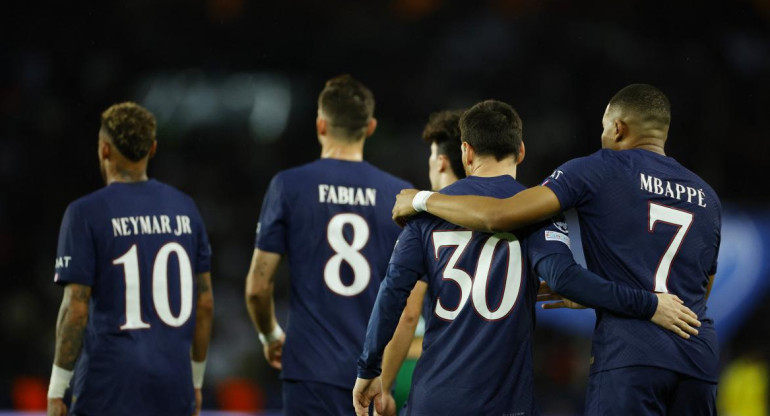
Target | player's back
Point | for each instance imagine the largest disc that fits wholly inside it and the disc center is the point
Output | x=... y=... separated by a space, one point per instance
x=652 y=224
x=139 y=247
x=477 y=349
x=332 y=218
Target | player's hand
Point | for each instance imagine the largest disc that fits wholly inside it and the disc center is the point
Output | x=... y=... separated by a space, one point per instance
x=56 y=407
x=671 y=314
x=274 y=352
x=403 y=209
x=364 y=392
x=546 y=294
x=198 y=402
x=388 y=405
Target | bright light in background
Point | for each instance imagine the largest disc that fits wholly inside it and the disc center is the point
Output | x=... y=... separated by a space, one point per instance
x=187 y=100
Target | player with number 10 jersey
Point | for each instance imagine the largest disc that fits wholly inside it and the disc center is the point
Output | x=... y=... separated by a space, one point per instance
x=141 y=249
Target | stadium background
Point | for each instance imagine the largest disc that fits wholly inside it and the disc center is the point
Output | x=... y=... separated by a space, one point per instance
x=234 y=86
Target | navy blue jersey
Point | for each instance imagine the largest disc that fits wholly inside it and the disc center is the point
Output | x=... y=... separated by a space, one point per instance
x=138 y=246
x=477 y=350
x=649 y=223
x=332 y=219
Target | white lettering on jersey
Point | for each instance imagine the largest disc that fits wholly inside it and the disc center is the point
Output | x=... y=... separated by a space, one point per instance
x=62 y=262
x=347 y=195
x=681 y=192
x=150 y=224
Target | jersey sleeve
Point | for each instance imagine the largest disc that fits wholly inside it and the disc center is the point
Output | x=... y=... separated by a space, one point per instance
x=76 y=252
x=203 y=251
x=406 y=267
x=549 y=237
x=713 y=269
x=273 y=219
x=576 y=181
x=409 y=249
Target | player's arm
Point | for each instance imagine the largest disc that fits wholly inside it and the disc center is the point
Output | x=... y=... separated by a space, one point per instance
x=204 y=319
x=259 y=301
x=398 y=347
x=573 y=282
x=391 y=299
x=70 y=325
x=481 y=213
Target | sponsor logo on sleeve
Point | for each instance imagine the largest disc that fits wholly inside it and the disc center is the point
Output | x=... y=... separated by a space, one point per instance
x=557 y=236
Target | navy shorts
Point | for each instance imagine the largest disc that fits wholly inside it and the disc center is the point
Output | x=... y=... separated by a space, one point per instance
x=308 y=398
x=649 y=391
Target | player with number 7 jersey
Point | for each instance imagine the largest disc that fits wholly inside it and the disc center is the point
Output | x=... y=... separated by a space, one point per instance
x=648 y=223
x=134 y=258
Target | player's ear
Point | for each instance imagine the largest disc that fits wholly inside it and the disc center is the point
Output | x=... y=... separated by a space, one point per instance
x=520 y=156
x=621 y=129
x=443 y=163
x=153 y=148
x=321 y=125
x=371 y=126
x=105 y=150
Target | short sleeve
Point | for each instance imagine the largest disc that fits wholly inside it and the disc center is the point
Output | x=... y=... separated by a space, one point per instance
x=273 y=219
x=409 y=249
x=549 y=237
x=76 y=252
x=576 y=181
x=203 y=251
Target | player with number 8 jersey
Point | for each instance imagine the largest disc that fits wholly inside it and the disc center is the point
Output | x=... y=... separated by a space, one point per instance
x=134 y=258
x=331 y=219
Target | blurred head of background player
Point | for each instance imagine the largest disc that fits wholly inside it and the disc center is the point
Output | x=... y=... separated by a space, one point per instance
x=126 y=143
x=491 y=130
x=345 y=118
x=445 y=164
x=638 y=116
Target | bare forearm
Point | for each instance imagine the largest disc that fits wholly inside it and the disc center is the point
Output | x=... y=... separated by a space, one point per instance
x=71 y=324
x=262 y=311
x=396 y=351
x=495 y=215
x=204 y=318
x=259 y=290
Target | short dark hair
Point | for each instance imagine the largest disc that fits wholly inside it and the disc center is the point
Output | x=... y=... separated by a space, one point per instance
x=131 y=128
x=492 y=128
x=645 y=101
x=348 y=105
x=443 y=128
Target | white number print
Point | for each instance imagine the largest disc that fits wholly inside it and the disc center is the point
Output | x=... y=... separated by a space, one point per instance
x=476 y=287
x=683 y=220
x=130 y=262
x=349 y=253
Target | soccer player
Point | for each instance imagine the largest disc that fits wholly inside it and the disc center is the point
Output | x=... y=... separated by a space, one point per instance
x=477 y=356
x=647 y=222
x=134 y=260
x=445 y=167
x=331 y=218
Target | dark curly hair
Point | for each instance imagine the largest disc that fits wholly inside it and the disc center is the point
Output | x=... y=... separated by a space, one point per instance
x=443 y=128
x=131 y=128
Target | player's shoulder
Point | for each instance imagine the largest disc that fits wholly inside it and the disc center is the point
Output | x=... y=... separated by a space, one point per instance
x=387 y=177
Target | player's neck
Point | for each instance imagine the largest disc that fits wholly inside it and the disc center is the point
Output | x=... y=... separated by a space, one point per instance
x=125 y=174
x=652 y=146
x=489 y=167
x=333 y=149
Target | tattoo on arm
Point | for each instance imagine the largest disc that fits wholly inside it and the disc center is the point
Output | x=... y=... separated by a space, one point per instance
x=73 y=317
x=203 y=284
